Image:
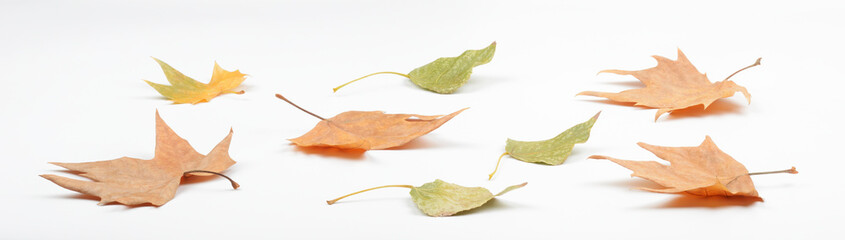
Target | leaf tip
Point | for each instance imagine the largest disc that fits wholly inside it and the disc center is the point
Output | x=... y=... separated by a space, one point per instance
x=595 y=117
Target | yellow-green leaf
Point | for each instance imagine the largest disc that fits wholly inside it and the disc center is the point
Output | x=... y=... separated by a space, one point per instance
x=444 y=75
x=183 y=89
x=439 y=198
x=553 y=151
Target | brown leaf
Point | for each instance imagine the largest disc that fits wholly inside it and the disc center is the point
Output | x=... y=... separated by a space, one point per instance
x=133 y=181
x=673 y=85
x=703 y=170
x=368 y=130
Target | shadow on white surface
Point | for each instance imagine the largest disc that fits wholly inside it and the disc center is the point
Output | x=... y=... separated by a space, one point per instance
x=633 y=183
x=631 y=84
x=419 y=143
x=719 y=107
x=684 y=200
x=693 y=201
x=94 y=200
x=349 y=154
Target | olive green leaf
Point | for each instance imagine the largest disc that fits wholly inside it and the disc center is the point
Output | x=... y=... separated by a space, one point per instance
x=439 y=198
x=445 y=75
x=553 y=151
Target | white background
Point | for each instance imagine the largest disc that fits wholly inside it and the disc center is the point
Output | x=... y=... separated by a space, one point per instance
x=73 y=92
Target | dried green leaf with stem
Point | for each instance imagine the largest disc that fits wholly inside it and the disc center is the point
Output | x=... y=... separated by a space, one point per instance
x=444 y=75
x=553 y=151
x=440 y=198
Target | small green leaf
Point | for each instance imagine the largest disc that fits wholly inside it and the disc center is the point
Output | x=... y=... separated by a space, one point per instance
x=439 y=198
x=446 y=75
x=553 y=151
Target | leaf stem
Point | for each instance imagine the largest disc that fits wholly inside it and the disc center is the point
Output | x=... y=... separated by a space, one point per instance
x=291 y=103
x=234 y=184
x=330 y=202
x=400 y=74
x=238 y=92
x=749 y=66
x=790 y=171
x=497 y=166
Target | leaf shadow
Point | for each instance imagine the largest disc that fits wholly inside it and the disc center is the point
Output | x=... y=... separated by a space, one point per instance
x=82 y=196
x=633 y=183
x=693 y=201
x=685 y=200
x=632 y=84
x=719 y=107
x=349 y=154
x=418 y=143
x=611 y=102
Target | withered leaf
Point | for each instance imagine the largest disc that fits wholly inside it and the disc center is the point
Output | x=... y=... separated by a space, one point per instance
x=133 y=181
x=673 y=85
x=440 y=198
x=184 y=89
x=703 y=170
x=368 y=130
x=447 y=74
x=552 y=151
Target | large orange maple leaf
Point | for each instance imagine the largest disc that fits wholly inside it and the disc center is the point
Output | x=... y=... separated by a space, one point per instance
x=702 y=170
x=673 y=85
x=133 y=181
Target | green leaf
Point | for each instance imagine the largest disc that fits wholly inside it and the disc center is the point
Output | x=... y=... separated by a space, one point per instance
x=446 y=75
x=439 y=198
x=553 y=151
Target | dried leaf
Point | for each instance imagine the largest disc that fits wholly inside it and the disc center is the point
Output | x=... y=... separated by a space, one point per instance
x=703 y=170
x=133 y=181
x=673 y=85
x=187 y=90
x=368 y=130
x=553 y=151
x=439 y=198
x=445 y=75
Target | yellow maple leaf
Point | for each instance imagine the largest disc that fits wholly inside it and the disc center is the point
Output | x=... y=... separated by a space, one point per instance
x=184 y=89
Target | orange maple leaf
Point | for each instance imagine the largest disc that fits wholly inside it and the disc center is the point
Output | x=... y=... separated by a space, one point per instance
x=133 y=181
x=673 y=85
x=368 y=130
x=703 y=170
